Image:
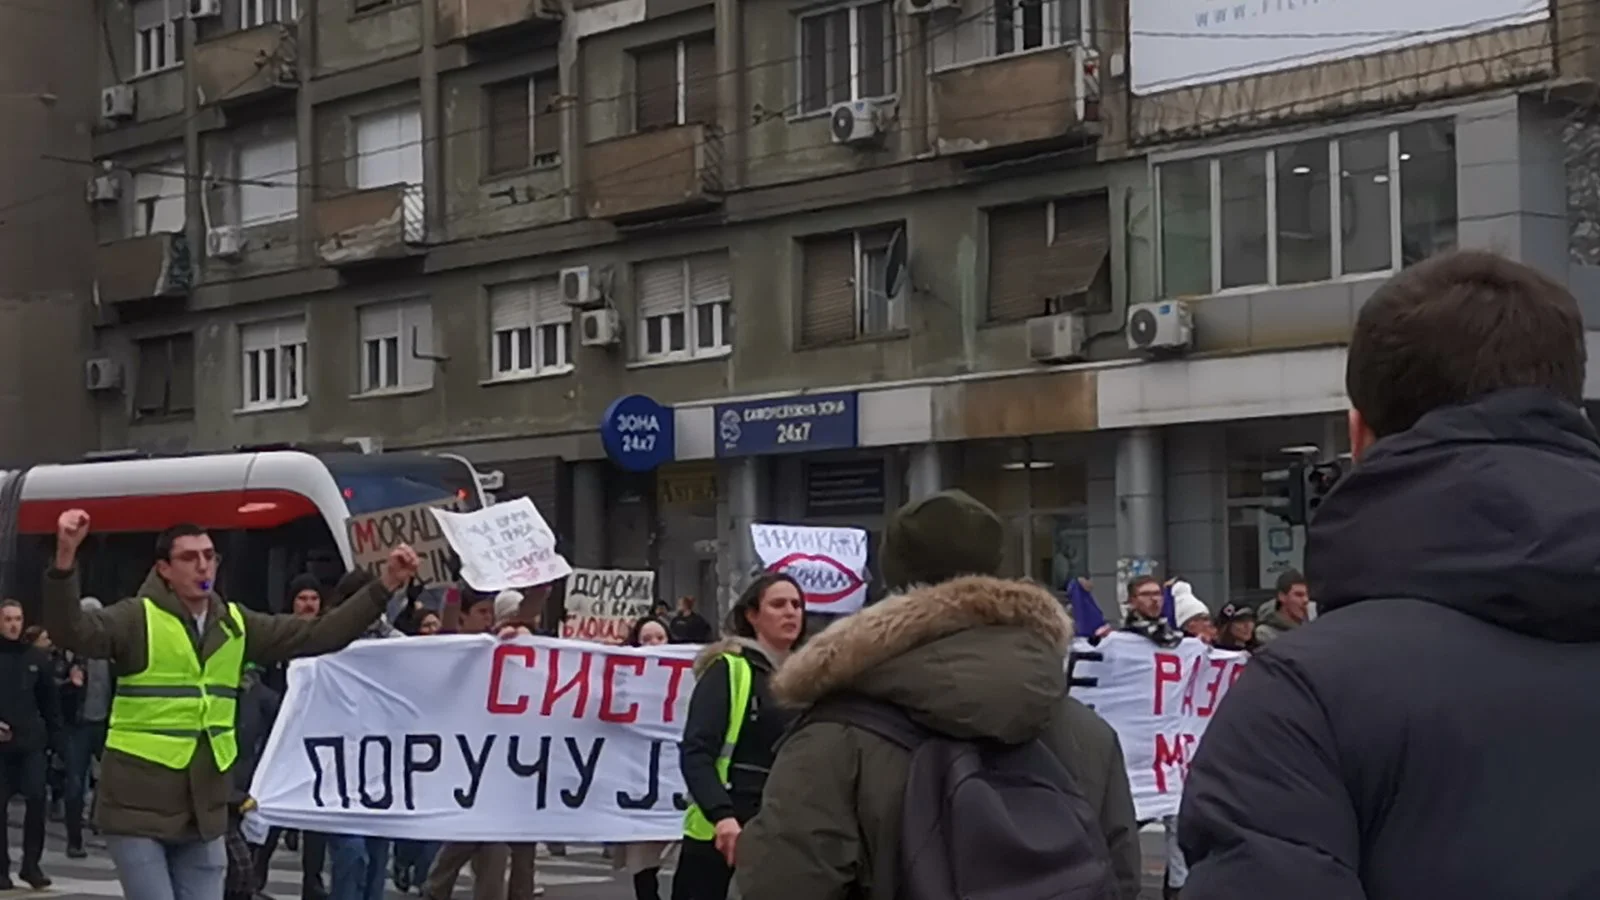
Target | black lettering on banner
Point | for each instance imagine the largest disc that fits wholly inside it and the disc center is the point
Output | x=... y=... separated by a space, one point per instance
x=586 y=769
x=540 y=767
x=475 y=767
x=648 y=799
x=411 y=765
x=382 y=741
x=336 y=744
x=680 y=802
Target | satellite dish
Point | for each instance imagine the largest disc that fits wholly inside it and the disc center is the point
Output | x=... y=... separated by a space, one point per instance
x=894 y=265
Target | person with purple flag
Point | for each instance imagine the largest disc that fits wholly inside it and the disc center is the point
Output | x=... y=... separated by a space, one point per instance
x=1087 y=619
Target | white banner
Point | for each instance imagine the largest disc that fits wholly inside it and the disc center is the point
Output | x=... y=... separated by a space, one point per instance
x=472 y=739
x=1160 y=701
x=603 y=604
x=1179 y=43
x=829 y=563
x=507 y=545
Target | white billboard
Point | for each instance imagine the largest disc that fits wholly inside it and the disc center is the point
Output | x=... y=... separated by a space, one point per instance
x=1179 y=43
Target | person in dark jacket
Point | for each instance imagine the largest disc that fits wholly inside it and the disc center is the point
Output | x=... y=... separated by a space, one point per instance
x=1236 y=628
x=257 y=711
x=763 y=626
x=1431 y=733
x=30 y=718
x=689 y=627
x=964 y=652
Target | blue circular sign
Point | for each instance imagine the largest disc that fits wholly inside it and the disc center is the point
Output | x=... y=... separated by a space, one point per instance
x=638 y=433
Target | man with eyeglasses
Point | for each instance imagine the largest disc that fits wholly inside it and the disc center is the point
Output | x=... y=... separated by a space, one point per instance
x=178 y=652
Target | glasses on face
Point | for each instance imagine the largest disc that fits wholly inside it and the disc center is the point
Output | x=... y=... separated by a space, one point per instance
x=1148 y=595
x=192 y=557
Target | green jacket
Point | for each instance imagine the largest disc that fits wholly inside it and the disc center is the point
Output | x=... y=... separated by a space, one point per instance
x=142 y=799
x=1271 y=623
x=975 y=657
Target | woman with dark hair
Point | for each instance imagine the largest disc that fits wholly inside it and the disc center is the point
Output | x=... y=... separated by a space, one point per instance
x=642 y=859
x=731 y=734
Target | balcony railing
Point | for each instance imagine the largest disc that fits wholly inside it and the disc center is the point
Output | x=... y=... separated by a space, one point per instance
x=977 y=104
x=143 y=268
x=466 y=20
x=241 y=65
x=652 y=173
x=371 y=224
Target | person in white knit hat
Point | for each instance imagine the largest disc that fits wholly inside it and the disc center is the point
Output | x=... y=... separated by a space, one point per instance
x=1192 y=615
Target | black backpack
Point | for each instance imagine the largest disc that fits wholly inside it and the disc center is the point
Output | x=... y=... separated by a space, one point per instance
x=980 y=820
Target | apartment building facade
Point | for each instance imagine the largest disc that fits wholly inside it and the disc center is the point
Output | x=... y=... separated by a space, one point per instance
x=841 y=254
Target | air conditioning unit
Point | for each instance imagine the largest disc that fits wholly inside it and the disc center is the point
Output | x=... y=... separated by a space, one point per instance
x=204 y=9
x=859 y=121
x=600 y=328
x=1057 y=338
x=101 y=374
x=924 y=7
x=105 y=188
x=1162 y=327
x=222 y=242
x=118 y=102
x=578 y=287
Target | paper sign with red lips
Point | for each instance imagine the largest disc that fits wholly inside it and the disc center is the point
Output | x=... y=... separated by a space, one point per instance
x=829 y=563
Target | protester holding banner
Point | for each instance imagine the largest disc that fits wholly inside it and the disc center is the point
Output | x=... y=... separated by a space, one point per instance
x=642 y=859
x=732 y=731
x=1146 y=614
x=1236 y=628
x=1191 y=613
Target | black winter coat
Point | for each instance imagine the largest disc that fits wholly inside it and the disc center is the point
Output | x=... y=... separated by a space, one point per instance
x=707 y=725
x=29 y=701
x=1432 y=733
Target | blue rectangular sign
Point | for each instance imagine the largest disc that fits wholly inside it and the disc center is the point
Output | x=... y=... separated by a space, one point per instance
x=787 y=425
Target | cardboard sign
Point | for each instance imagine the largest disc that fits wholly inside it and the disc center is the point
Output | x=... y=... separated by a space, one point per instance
x=603 y=604
x=373 y=535
x=829 y=563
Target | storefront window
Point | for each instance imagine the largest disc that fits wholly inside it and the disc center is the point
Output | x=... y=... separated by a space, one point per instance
x=1260 y=544
x=1038 y=487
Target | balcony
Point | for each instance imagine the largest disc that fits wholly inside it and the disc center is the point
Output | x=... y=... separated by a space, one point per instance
x=143 y=268
x=468 y=20
x=246 y=65
x=654 y=173
x=370 y=225
x=976 y=104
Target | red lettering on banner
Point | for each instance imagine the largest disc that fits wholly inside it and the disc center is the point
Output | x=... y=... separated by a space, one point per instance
x=1215 y=684
x=608 y=687
x=1238 y=669
x=1169 y=670
x=597 y=629
x=1168 y=755
x=674 y=684
x=1190 y=685
x=502 y=653
x=578 y=682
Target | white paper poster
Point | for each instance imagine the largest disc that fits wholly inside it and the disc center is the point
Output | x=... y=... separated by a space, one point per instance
x=829 y=563
x=473 y=739
x=603 y=604
x=507 y=545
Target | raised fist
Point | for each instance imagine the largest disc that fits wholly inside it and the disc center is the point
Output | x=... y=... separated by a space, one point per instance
x=71 y=528
x=400 y=567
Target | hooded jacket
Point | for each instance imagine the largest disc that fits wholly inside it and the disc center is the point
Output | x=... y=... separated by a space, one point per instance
x=706 y=726
x=1271 y=623
x=142 y=799
x=29 y=701
x=1432 y=732
x=974 y=657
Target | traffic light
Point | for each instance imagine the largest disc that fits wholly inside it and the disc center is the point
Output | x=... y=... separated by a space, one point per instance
x=1287 y=500
x=1320 y=479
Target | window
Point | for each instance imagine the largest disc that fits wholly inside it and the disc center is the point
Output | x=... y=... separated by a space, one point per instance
x=1280 y=216
x=157 y=35
x=165 y=385
x=683 y=306
x=1021 y=25
x=530 y=328
x=370 y=5
x=158 y=199
x=396 y=339
x=675 y=84
x=524 y=124
x=274 y=358
x=389 y=147
x=264 y=12
x=1048 y=257
x=845 y=295
x=268 y=177
x=846 y=54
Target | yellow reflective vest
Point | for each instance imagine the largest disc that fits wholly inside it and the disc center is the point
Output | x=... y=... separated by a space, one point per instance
x=695 y=824
x=161 y=713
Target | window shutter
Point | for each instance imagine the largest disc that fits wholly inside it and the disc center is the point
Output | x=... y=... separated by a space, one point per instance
x=376 y=136
x=549 y=307
x=546 y=118
x=508 y=126
x=379 y=320
x=700 y=80
x=1081 y=249
x=180 y=378
x=510 y=306
x=271 y=161
x=149 y=13
x=659 y=285
x=408 y=146
x=655 y=87
x=828 y=307
x=150 y=385
x=292 y=331
x=1018 y=250
x=708 y=277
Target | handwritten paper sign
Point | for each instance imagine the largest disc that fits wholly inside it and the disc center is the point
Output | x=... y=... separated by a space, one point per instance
x=829 y=563
x=603 y=604
x=507 y=545
x=374 y=534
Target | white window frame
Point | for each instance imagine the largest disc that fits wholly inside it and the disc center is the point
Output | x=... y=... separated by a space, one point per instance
x=1052 y=26
x=171 y=192
x=681 y=48
x=159 y=47
x=891 y=21
x=537 y=326
x=896 y=304
x=254 y=13
x=272 y=356
x=286 y=181
x=690 y=307
x=394 y=346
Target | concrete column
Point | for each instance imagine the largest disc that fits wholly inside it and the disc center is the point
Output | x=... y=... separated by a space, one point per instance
x=1141 y=504
x=433 y=173
x=1511 y=182
x=1197 y=510
x=743 y=507
x=574 y=131
x=924 y=471
x=732 y=110
x=1100 y=468
x=589 y=549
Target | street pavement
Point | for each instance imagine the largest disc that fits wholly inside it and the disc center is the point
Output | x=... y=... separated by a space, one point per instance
x=583 y=874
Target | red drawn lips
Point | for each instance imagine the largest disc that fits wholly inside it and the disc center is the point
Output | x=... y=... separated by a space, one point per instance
x=824 y=579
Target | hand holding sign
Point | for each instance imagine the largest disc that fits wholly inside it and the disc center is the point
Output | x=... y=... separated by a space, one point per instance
x=507 y=545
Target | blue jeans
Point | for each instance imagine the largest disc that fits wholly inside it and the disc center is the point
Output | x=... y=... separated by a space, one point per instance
x=358 y=867
x=151 y=870
x=413 y=859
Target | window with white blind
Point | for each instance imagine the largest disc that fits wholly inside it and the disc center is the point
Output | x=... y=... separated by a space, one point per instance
x=683 y=306
x=158 y=199
x=264 y=12
x=396 y=339
x=268 y=173
x=274 y=359
x=389 y=147
x=157 y=35
x=530 y=329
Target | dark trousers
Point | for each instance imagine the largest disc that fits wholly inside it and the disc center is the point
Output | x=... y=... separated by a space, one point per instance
x=702 y=872
x=22 y=774
x=84 y=743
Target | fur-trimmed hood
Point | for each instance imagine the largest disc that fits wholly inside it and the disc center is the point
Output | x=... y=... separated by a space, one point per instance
x=743 y=646
x=974 y=657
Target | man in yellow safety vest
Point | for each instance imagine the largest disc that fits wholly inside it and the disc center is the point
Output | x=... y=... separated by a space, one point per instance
x=178 y=651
